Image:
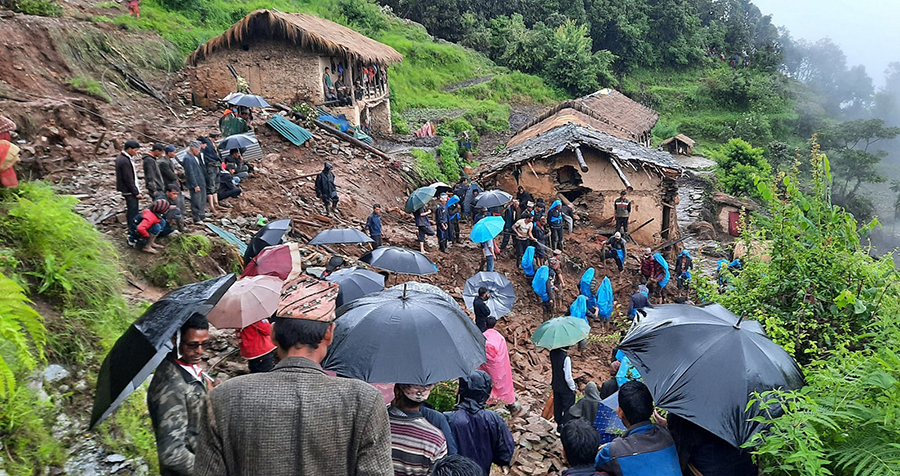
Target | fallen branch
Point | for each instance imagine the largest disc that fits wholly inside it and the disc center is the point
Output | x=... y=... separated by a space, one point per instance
x=350 y=139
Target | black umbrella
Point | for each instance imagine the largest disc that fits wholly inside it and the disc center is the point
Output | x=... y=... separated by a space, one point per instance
x=237 y=141
x=703 y=367
x=340 y=235
x=492 y=198
x=421 y=339
x=147 y=342
x=355 y=283
x=268 y=235
x=399 y=260
x=503 y=296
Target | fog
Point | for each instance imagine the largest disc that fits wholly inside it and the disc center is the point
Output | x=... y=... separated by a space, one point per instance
x=867 y=30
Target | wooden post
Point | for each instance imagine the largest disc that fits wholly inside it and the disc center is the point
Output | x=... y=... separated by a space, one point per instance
x=581 y=162
x=621 y=174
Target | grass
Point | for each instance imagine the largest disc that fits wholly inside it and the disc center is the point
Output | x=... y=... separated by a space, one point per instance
x=90 y=86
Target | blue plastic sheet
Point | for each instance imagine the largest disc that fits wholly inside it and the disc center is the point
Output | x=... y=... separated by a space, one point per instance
x=662 y=262
x=528 y=261
x=539 y=283
x=605 y=299
x=579 y=308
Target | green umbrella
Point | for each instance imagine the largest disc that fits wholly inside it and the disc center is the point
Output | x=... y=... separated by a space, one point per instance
x=419 y=198
x=561 y=332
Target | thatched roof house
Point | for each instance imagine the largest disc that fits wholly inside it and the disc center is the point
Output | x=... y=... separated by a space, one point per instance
x=283 y=57
x=607 y=111
x=307 y=32
x=679 y=144
x=589 y=168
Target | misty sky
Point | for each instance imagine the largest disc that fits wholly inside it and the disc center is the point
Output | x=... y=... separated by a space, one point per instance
x=867 y=30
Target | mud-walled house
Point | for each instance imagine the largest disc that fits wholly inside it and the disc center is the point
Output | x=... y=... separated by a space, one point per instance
x=572 y=154
x=283 y=57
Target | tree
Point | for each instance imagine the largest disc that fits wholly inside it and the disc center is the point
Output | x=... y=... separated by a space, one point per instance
x=572 y=65
x=854 y=159
x=739 y=166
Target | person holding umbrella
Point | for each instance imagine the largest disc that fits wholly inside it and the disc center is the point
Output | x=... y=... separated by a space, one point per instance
x=301 y=420
x=442 y=222
x=373 y=225
x=482 y=312
x=326 y=190
x=453 y=208
x=563 y=385
x=424 y=228
x=176 y=399
x=646 y=448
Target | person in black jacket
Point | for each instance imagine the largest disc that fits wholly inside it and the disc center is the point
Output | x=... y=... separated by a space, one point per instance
x=126 y=181
x=195 y=179
x=152 y=175
x=523 y=196
x=482 y=311
x=510 y=215
x=227 y=188
x=213 y=165
x=167 y=168
x=326 y=190
x=563 y=385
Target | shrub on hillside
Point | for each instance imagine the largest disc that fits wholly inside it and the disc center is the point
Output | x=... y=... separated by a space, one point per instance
x=44 y=8
x=427 y=167
x=450 y=161
x=739 y=167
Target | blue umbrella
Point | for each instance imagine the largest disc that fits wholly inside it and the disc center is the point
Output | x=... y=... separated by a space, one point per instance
x=419 y=198
x=607 y=421
x=486 y=229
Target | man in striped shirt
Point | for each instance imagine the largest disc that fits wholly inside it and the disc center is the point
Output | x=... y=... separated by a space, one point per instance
x=415 y=443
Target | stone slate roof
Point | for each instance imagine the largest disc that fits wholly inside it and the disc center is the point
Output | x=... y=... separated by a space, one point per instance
x=570 y=135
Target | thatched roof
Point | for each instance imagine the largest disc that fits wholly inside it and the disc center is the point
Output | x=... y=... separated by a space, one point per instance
x=571 y=135
x=680 y=138
x=607 y=111
x=305 y=31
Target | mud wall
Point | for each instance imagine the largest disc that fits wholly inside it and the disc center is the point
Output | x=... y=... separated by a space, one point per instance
x=275 y=70
x=599 y=188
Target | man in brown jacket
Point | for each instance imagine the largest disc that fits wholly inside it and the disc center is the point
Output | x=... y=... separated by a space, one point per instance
x=295 y=419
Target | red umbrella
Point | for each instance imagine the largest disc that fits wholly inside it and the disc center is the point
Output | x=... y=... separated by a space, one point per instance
x=283 y=261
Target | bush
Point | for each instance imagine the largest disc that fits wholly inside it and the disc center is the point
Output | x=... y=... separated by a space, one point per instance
x=44 y=8
x=427 y=167
x=739 y=167
x=443 y=396
x=398 y=123
x=363 y=15
x=449 y=153
x=488 y=116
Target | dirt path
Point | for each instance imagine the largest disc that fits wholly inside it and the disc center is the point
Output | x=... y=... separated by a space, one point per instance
x=467 y=83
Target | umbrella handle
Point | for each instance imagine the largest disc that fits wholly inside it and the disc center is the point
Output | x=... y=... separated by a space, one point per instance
x=738 y=324
x=404 y=291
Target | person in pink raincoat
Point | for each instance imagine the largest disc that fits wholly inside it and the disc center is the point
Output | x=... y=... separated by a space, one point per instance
x=497 y=366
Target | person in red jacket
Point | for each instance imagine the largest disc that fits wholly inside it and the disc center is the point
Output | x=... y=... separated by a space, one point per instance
x=257 y=347
x=150 y=225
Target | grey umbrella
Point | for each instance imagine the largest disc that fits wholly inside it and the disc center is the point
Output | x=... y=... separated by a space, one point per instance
x=247 y=100
x=422 y=338
x=147 y=342
x=400 y=260
x=237 y=141
x=355 y=283
x=503 y=296
x=492 y=198
x=340 y=235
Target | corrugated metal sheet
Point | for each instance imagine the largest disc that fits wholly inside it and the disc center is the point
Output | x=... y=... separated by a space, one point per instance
x=229 y=237
x=290 y=131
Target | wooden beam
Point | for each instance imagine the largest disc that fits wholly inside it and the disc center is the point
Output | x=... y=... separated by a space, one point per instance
x=621 y=174
x=340 y=135
x=581 y=162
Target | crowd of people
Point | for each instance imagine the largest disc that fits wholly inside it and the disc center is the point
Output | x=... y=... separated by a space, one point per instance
x=294 y=418
x=209 y=176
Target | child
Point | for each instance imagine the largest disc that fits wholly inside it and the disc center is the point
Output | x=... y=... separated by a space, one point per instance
x=150 y=225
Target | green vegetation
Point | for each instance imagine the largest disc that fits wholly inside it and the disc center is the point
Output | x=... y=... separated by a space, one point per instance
x=89 y=86
x=23 y=333
x=740 y=167
x=56 y=255
x=450 y=160
x=443 y=396
x=427 y=167
x=44 y=8
x=834 y=307
x=179 y=268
